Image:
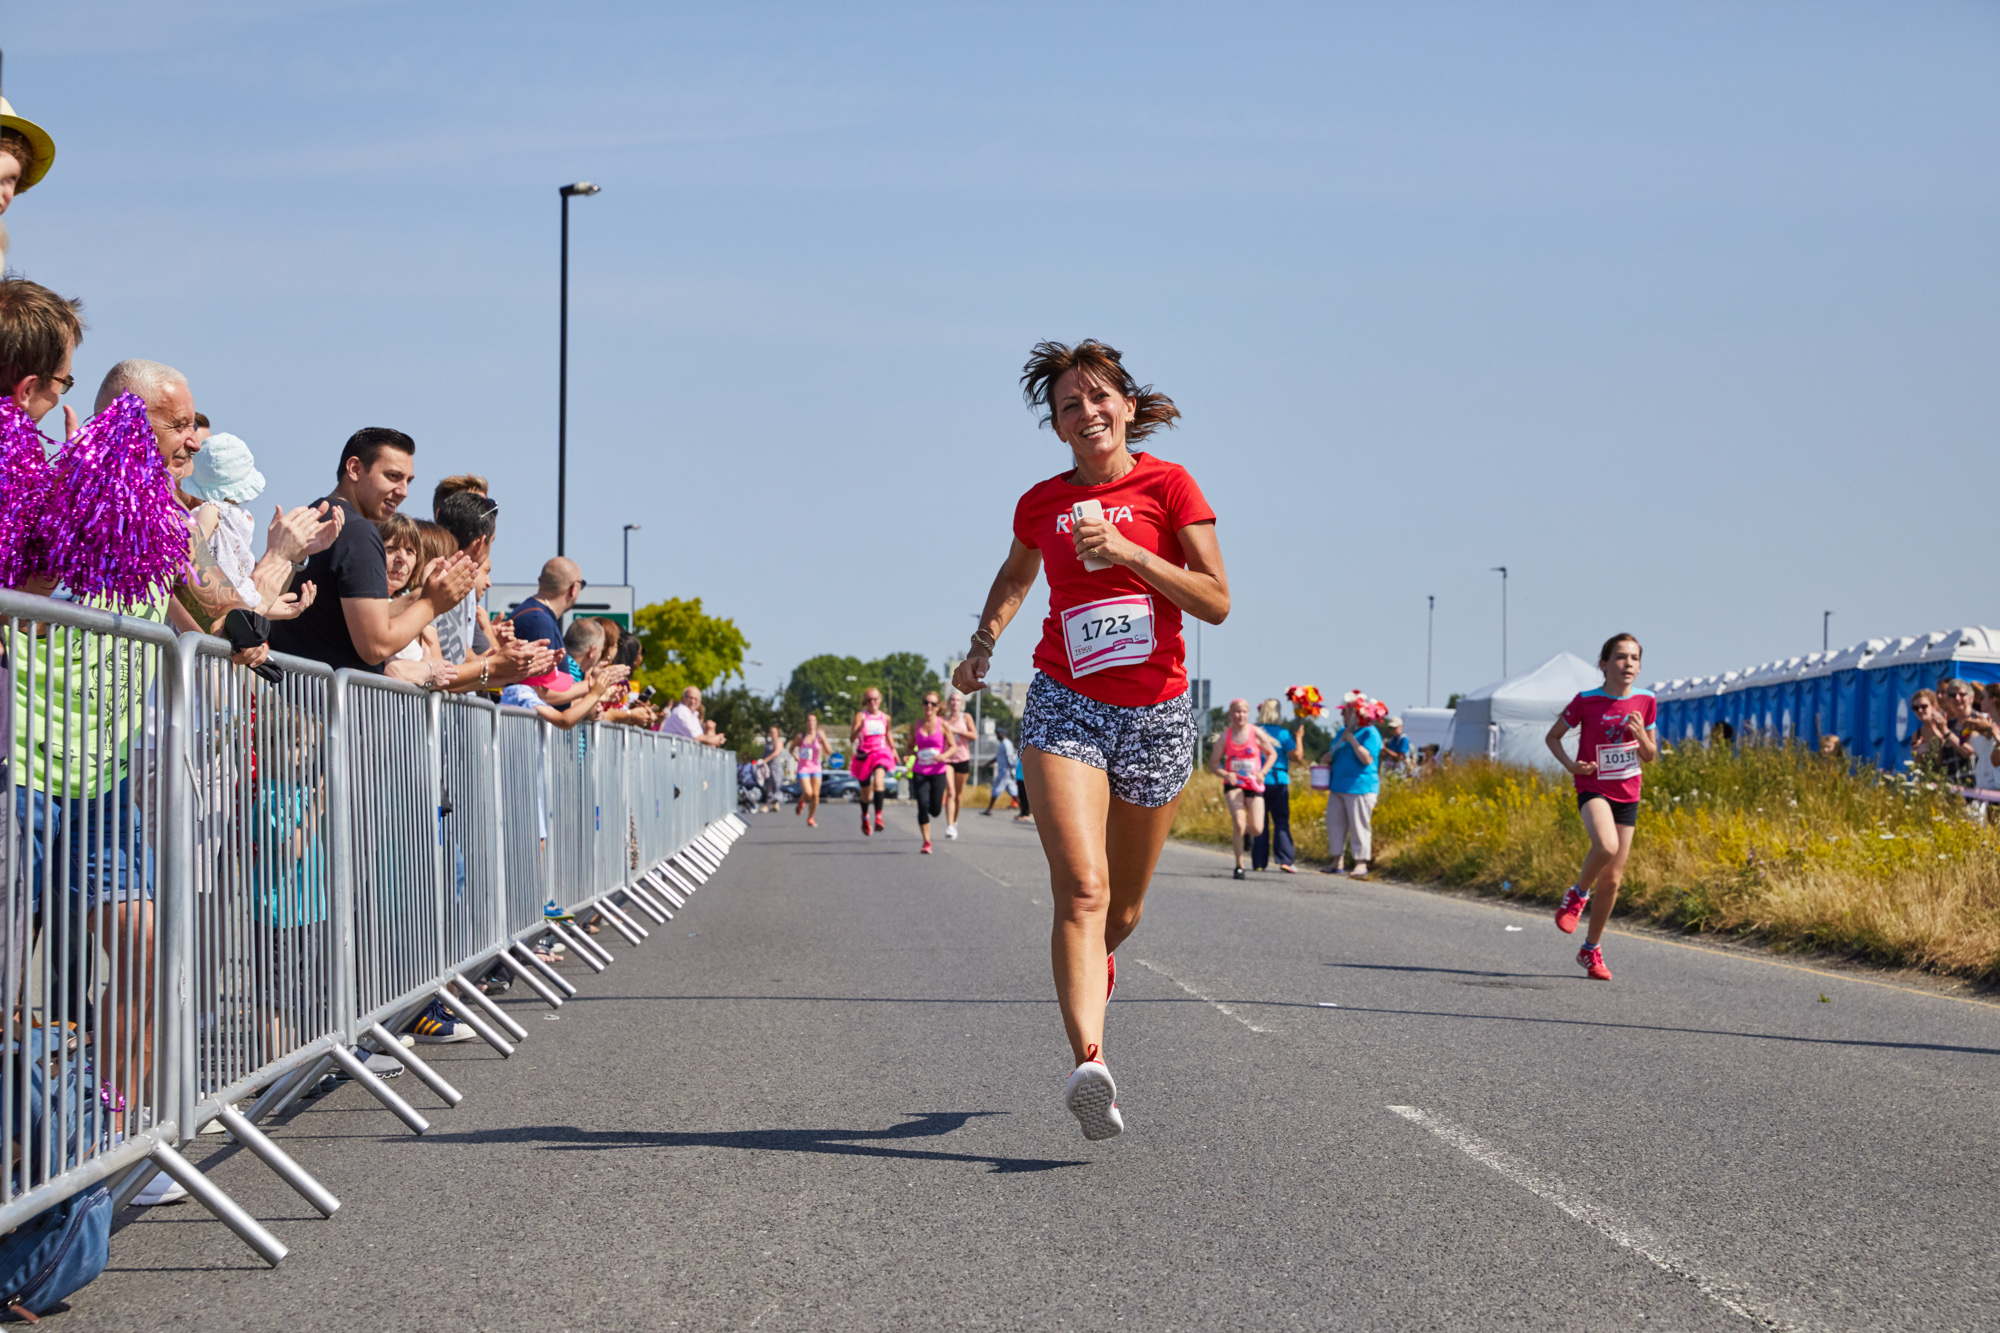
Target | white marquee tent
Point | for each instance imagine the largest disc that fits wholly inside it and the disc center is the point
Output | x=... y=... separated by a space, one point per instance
x=1508 y=719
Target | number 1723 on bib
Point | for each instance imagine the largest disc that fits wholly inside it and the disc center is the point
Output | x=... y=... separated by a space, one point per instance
x=1113 y=632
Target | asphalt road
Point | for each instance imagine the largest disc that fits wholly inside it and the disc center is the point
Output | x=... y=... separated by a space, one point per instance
x=826 y=1097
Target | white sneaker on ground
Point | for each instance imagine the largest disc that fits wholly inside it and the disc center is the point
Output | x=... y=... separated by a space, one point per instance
x=1092 y=1098
x=951 y=831
x=163 y=1189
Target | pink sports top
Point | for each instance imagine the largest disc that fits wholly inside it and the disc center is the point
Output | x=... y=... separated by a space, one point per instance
x=960 y=732
x=875 y=733
x=1243 y=761
x=808 y=754
x=930 y=751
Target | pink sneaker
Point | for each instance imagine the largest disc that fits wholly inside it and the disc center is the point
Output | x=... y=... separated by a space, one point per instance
x=1591 y=959
x=1575 y=902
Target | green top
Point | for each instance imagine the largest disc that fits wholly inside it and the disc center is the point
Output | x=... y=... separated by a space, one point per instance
x=74 y=718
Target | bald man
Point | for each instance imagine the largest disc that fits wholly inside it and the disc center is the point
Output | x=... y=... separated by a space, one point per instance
x=540 y=617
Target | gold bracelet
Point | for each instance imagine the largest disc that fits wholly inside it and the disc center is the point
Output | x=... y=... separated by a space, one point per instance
x=984 y=640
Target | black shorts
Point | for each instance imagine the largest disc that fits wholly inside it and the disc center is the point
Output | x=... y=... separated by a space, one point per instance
x=1625 y=813
x=961 y=766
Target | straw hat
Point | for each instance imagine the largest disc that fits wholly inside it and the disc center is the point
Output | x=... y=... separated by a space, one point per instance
x=224 y=470
x=40 y=145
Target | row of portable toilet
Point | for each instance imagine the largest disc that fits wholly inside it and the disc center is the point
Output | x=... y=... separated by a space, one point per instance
x=1860 y=694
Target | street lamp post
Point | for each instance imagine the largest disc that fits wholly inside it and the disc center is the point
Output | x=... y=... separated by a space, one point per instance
x=630 y=528
x=562 y=368
x=1825 y=631
x=1501 y=570
x=1430 y=642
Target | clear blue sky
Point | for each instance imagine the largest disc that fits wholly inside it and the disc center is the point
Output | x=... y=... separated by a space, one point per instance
x=1688 y=314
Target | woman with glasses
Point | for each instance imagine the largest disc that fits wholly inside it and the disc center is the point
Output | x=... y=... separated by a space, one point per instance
x=1108 y=738
x=874 y=755
x=928 y=769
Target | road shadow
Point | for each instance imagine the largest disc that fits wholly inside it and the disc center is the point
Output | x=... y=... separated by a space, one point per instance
x=1447 y=971
x=834 y=1142
x=1690 y=1032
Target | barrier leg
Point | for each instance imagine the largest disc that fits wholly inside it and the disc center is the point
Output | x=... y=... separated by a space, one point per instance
x=381 y=1091
x=589 y=942
x=280 y=1095
x=609 y=904
x=556 y=979
x=535 y=983
x=402 y=1054
x=226 y=1210
x=671 y=876
x=656 y=882
x=475 y=1020
x=617 y=920
x=280 y=1161
x=588 y=955
x=711 y=860
x=493 y=1011
x=690 y=870
x=639 y=898
x=715 y=847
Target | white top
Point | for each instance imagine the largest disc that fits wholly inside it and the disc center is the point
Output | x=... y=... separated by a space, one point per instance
x=230 y=545
x=681 y=721
x=1985 y=775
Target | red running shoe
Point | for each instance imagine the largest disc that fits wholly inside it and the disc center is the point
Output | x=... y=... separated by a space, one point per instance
x=811 y=822
x=1110 y=976
x=878 y=823
x=865 y=830
x=927 y=846
x=1571 y=912
x=1591 y=959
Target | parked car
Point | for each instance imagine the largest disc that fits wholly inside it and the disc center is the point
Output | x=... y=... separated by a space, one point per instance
x=835 y=784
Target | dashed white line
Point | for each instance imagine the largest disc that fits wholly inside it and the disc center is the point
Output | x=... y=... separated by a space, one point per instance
x=1646 y=1246
x=1208 y=1000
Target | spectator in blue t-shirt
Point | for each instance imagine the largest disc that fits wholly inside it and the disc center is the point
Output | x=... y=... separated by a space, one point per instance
x=1398 y=755
x=540 y=617
x=1277 y=831
x=1353 y=781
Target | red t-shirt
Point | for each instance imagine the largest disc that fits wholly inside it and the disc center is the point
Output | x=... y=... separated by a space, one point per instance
x=1110 y=635
x=1603 y=739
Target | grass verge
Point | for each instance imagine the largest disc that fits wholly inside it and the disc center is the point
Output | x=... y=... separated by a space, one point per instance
x=1767 y=842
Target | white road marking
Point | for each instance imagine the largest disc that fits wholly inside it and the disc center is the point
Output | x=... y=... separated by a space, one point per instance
x=1217 y=1004
x=1646 y=1246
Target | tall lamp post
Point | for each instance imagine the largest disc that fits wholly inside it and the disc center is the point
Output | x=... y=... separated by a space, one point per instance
x=562 y=368
x=1825 y=631
x=630 y=528
x=1501 y=570
x=1430 y=642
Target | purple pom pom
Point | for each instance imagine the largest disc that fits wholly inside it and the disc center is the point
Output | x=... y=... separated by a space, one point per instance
x=26 y=480
x=119 y=532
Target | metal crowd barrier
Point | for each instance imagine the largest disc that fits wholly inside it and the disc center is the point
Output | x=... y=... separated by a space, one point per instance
x=220 y=887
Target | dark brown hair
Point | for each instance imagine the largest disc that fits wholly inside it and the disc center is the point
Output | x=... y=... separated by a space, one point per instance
x=613 y=632
x=15 y=144
x=434 y=542
x=1101 y=362
x=1604 y=653
x=37 y=329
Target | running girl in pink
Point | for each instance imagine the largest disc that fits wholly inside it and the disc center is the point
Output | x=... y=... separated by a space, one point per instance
x=929 y=773
x=874 y=755
x=1243 y=756
x=811 y=750
x=1615 y=736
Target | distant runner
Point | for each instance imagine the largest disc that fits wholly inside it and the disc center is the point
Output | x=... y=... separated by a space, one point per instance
x=811 y=751
x=1243 y=756
x=928 y=770
x=958 y=754
x=1108 y=736
x=1616 y=738
x=874 y=755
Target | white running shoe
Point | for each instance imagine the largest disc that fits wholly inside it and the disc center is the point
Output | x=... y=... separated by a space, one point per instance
x=1092 y=1098
x=951 y=831
x=163 y=1189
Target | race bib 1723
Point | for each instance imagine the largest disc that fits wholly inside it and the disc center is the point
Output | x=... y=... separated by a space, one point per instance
x=1116 y=631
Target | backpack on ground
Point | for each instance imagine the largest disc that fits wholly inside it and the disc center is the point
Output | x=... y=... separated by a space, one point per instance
x=58 y=1251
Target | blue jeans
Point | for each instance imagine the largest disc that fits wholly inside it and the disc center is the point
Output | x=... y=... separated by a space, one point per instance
x=94 y=837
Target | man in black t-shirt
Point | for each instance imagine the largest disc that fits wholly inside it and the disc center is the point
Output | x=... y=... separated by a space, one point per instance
x=352 y=622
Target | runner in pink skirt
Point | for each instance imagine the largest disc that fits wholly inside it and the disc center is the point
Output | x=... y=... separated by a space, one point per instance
x=874 y=755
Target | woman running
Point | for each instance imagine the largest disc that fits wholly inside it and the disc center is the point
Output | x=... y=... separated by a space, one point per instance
x=928 y=771
x=958 y=755
x=1243 y=757
x=874 y=755
x=1108 y=734
x=811 y=751
x=1617 y=736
